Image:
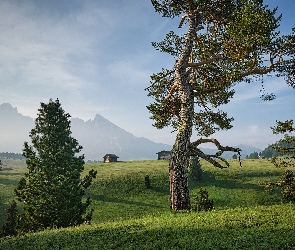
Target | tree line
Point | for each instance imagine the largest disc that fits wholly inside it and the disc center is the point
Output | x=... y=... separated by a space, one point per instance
x=273 y=150
x=10 y=155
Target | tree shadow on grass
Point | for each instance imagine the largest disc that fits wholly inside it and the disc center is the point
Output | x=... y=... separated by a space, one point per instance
x=104 y=198
x=236 y=192
x=235 y=182
x=260 y=174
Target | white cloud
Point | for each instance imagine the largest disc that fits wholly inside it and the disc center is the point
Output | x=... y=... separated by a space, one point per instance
x=39 y=51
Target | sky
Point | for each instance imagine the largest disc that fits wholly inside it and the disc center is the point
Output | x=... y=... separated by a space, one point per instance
x=96 y=57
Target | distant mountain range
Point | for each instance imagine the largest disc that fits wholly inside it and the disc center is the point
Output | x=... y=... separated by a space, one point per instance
x=98 y=137
x=246 y=150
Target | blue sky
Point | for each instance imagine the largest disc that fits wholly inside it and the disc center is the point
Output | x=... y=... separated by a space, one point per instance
x=96 y=57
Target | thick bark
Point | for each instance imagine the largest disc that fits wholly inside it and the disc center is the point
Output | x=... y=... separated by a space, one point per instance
x=178 y=168
x=178 y=171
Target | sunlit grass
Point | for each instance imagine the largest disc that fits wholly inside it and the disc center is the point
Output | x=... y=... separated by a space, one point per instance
x=261 y=227
x=129 y=216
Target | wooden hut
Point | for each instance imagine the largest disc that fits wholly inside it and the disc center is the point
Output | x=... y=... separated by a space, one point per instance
x=110 y=158
x=164 y=155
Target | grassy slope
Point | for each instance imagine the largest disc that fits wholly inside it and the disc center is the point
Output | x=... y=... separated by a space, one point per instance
x=129 y=216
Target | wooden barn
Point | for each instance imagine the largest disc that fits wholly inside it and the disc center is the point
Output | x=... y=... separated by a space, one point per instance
x=164 y=155
x=110 y=158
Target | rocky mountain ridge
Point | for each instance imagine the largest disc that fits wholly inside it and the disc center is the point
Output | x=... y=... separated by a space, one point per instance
x=98 y=137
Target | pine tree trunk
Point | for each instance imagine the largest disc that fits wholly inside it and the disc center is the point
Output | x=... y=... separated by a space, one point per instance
x=178 y=172
x=178 y=167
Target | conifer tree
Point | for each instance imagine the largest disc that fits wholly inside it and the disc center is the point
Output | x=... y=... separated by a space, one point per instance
x=286 y=145
x=52 y=189
x=225 y=42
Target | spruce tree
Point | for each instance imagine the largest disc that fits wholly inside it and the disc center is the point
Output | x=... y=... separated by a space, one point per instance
x=52 y=189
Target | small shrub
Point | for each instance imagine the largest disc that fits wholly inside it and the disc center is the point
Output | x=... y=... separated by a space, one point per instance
x=288 y=187
x=203 y=203
x=195 y=171
x=9 y=228
x=147 y=182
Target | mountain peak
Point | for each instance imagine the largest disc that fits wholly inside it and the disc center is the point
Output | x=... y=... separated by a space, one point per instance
x=7 y=107
x=98 y=136
x=98 y=116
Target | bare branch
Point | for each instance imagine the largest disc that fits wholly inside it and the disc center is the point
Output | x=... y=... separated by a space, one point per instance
x=218 y=145
x=194 y=12
x=261 y=71
x=182 y=20
x=209 y=158
x=203 y=103
x=195 y=151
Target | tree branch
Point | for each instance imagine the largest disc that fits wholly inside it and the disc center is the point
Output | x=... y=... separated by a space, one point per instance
x=260 y=71
x=218 y=145
x=172 y=89
x=186 y=15
x=212 y=59
x=195 y=151
x=199 y=153
x=182 y=20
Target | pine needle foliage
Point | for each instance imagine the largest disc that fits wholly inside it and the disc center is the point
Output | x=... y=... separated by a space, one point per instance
x=9 y=228
x=288 y=187
x=52 y=189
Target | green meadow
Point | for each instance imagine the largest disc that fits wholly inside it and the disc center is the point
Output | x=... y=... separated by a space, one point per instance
x=128 y=216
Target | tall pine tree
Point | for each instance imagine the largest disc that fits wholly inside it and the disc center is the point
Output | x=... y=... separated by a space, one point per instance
x=224 y=42
x=52 y=190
